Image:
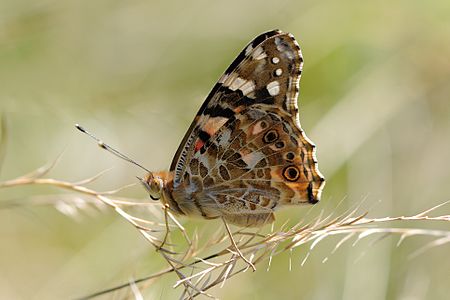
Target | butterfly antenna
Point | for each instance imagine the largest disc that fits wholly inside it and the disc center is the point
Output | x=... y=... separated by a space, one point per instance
x=110 y=149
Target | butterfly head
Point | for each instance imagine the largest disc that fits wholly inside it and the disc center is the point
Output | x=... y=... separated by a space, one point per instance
x=154 y=185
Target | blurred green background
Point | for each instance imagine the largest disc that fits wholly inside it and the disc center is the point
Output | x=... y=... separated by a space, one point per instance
x=375 y=98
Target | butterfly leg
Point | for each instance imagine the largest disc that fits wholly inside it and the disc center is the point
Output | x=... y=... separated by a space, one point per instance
x=166 y=220
x=236 y=247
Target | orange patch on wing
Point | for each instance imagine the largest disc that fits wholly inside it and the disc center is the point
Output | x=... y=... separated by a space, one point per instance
x=257 y=128
x=199 y=144
x=239 y=109
x=214 y=124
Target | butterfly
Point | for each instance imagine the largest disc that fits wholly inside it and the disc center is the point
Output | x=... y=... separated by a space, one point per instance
x=245 y=154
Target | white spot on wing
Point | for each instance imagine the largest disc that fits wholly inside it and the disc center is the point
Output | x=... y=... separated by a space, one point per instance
x=278 y=72
x=273 y=88
x=248 y=50
x=278 y=44
x=252 y=159
x=237 y=83
x=283 y=48
x=259 y=53
x=229 y=78
x=248 y=87
x=275 y=60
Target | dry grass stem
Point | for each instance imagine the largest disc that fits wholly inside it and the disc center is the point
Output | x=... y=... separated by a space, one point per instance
x=198 y=270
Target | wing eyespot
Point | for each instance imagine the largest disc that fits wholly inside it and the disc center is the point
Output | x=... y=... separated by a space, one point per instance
x=291 y=173
x=290 y=156
x=270 y=136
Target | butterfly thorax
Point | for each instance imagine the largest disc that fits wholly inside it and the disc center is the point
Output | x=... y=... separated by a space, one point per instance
x=183 y=200
x=186 y=198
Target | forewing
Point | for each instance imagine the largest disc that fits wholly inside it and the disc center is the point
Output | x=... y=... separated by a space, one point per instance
x=253 y=78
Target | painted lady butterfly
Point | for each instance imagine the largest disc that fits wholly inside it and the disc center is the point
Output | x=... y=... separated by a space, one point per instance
x=245 y=154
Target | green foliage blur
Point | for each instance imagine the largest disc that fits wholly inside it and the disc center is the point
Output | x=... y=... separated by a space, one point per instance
x=374 y=97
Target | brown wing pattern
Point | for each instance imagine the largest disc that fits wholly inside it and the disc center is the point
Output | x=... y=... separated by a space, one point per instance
x=245 y=153
x=213 y=112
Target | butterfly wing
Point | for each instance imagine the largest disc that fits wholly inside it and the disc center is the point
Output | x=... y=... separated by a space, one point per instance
x=245 y=153
x=215 y=110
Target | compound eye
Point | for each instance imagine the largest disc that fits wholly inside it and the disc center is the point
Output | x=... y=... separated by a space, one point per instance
x=156 y=188
x=153 y=186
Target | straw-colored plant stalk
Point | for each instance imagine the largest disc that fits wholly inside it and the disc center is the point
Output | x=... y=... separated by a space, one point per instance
x=198 y=269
